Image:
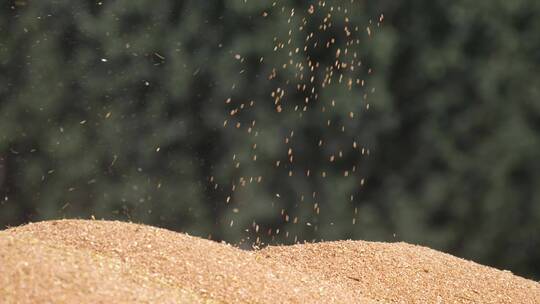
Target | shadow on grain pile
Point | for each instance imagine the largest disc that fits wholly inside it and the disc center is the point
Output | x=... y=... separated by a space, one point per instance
x=75 y=261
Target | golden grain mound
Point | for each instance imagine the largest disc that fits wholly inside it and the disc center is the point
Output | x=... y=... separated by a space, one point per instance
x=75 y=261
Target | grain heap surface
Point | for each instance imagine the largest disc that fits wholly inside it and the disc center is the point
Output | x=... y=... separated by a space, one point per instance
x=404 y=273
x=75 y=261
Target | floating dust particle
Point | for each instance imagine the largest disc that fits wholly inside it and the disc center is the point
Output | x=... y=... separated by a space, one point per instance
x=159 y=56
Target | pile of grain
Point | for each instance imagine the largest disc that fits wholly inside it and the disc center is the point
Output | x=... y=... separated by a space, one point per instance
x=96 y=261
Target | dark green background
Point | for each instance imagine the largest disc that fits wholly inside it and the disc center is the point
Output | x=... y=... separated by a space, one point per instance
x=453 y=127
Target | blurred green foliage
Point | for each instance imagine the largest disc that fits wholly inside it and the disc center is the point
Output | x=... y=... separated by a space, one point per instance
x=116 y=109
